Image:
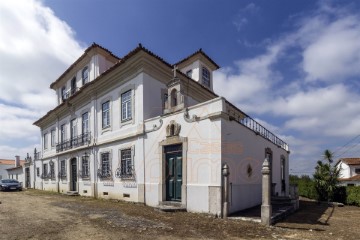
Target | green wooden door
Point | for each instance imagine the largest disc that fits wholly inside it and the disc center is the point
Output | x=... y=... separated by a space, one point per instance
x=173 y=176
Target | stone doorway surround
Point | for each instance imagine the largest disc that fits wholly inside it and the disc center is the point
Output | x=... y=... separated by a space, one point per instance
x=173 y=140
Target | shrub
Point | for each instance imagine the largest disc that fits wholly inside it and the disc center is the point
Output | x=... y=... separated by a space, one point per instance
x=353 y=195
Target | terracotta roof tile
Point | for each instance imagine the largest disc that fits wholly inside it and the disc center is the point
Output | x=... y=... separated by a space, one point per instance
x=10 y=162
x=350 y=161
x=94 y=45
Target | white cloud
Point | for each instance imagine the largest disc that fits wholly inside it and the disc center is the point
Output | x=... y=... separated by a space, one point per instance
x=320 y=104
x=37 y=48
x=35 y=38
x=242 y=18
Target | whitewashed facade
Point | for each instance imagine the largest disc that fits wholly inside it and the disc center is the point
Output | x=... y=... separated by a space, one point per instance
x=140 y=129
x=349 y=171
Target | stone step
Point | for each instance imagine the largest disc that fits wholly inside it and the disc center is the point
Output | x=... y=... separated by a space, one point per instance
x=169 y=206
x=72 y=193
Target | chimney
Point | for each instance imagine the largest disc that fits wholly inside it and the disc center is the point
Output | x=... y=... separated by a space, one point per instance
x=17 y=161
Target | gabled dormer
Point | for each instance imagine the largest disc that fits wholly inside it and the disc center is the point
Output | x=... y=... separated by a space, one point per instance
x=199 y=67
x=85 y=69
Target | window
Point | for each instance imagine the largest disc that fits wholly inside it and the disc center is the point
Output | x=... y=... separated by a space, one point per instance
x=126 y=163
x=106 y=114
x=52 y=170
x=85 y=75
x=205 y=77
x=62 y=133
x=166 y=96
x=45 y=171
x=73 y=131
x=105 y=165
x=45 y=141
x=85 y=123
x=38 y=172
x=189 y=73
x=357 y=170
x=63 y=93
x=62 y=169
x=85 y=172
x=282 y=172
x=53 y=138
x=126 y=113
x=73 y=85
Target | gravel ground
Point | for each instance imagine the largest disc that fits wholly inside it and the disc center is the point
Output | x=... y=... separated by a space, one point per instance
x=36 y=214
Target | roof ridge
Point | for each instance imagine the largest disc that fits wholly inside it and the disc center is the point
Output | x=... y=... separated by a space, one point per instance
x=200 y=50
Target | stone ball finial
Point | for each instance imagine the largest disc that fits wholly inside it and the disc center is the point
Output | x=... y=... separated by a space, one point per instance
x=225 y=170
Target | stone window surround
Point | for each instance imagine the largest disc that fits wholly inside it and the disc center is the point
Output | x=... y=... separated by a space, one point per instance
x=129 y=87
x=201 y=78
x=132 y=148
x=104 y=100
x=86 y=110
x=106 y=150
x=162 y=189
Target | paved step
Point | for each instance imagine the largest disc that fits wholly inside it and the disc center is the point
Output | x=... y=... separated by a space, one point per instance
x=167 y=206
x=72 y=193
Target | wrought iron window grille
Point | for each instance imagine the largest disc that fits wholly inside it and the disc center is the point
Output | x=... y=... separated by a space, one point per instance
x=84 y=175
x=104 y=173
x=62 y=174
x=124 y=173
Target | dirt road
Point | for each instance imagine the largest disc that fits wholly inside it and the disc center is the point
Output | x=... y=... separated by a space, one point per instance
x=41 y=215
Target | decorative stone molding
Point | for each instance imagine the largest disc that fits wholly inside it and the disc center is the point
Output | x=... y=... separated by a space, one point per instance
x=173 y=129
x=187 y=118
x=155 y=127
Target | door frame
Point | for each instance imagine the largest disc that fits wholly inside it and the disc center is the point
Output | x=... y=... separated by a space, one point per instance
x=162 y=171
x=173 y=155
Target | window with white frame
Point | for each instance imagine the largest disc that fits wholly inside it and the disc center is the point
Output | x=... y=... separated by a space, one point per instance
x=53 y=138
x=205 y=76
x=126 y=163
x=85 y=75
x=63 y=93
x=62 y=133
x=85 y=170
x=38 y=172
x=73 y=132
x=106 y=114
x=105 y=171
x=126 y=111
x=85 y=123
x=45 y=141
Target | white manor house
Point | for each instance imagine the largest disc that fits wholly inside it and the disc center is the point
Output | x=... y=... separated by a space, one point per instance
x=140 y=129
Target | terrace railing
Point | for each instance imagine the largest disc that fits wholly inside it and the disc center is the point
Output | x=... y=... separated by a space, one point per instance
x=74 y=142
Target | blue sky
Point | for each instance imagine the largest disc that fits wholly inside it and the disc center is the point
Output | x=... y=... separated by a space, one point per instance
x=292 y=65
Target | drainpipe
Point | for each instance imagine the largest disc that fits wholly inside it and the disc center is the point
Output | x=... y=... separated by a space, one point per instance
x=225 y=188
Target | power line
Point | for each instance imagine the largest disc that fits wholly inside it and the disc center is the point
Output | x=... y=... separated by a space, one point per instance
x=350 y=147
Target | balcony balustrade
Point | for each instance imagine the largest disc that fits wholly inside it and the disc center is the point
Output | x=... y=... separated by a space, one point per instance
x=74 y=142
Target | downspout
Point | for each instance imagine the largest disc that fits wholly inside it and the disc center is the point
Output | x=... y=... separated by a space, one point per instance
x=144 y=166
x=94 y=148
x=58 y=159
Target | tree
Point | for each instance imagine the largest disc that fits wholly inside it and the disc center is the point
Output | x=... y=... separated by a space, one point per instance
x=326 y=177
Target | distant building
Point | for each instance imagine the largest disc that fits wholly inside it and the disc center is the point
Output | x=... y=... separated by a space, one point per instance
x=349 y=171
x=12 y=168
x=140 y=129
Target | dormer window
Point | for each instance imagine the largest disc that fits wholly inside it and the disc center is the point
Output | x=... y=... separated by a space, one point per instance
x=205 y=77
x=85 y=75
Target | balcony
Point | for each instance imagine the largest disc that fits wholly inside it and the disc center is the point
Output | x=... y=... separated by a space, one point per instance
x=74 y=142
x=68 y=93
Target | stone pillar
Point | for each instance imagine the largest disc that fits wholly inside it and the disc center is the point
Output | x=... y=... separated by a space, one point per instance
x=225 y=174
x=266 y=194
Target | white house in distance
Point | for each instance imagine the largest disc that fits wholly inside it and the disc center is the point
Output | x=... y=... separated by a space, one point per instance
x=12 y=169
x=140 y=129
x=349 y=171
